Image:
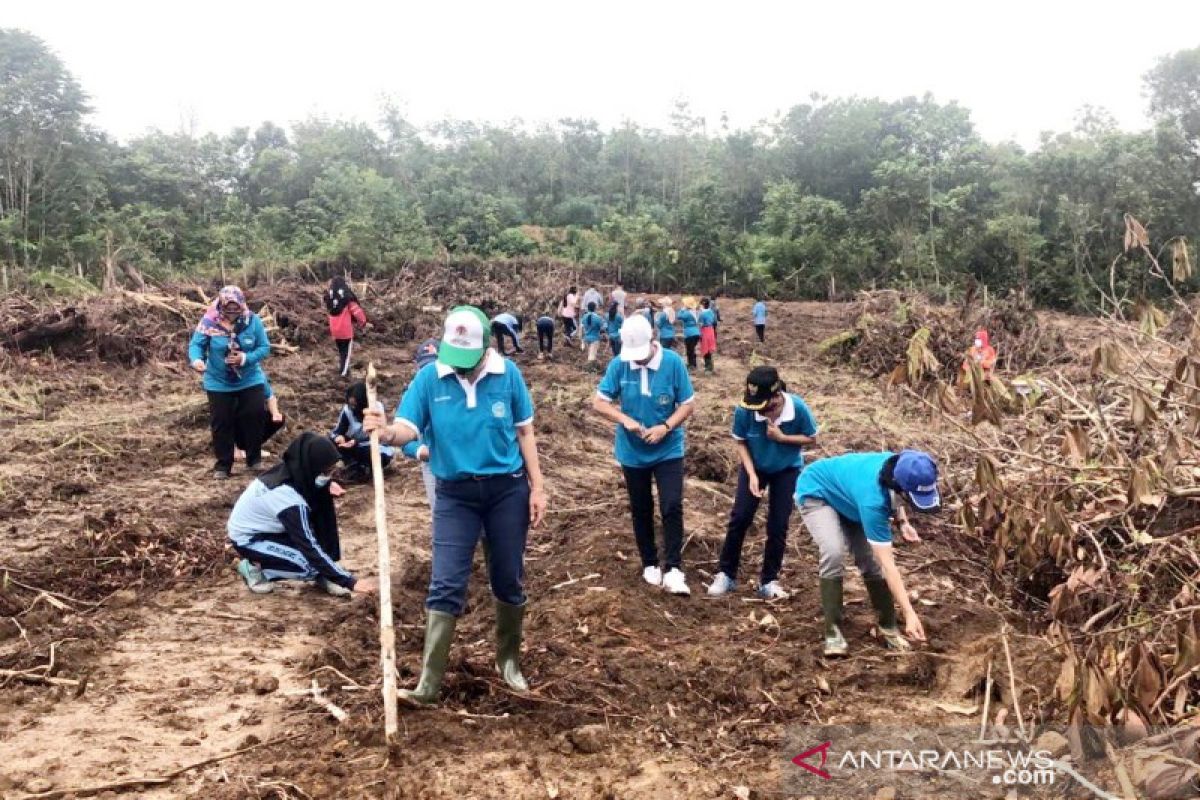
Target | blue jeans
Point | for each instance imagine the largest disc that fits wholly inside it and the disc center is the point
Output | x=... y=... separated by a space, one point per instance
x=497 y=507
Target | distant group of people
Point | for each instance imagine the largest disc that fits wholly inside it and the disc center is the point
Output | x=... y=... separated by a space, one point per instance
x=468 y=418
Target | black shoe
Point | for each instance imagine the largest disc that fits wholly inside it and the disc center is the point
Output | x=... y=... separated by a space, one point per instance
x=256 y=467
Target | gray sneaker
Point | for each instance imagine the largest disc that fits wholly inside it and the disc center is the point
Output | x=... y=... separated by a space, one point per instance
x=255 y=580
x=331 y=588
x=772 y=591
x=722 y=584
x=835 y=643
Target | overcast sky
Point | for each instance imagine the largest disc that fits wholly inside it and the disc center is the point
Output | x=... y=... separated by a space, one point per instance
x=1021 y=67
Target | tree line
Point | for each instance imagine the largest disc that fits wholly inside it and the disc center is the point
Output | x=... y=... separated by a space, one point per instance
x=834 y=195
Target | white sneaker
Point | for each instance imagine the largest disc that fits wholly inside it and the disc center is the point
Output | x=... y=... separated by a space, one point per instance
x=722 y=584
x=674 y=583
x=772 y=591
x=652 y=576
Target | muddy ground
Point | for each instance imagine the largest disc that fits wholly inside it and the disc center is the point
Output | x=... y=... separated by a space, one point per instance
x=113 y=544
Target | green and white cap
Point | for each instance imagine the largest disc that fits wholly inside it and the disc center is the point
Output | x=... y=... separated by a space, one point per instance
x=465 y=337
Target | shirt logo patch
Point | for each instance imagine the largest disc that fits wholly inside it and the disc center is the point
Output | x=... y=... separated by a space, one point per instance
x=498 y=410
x=664 y=400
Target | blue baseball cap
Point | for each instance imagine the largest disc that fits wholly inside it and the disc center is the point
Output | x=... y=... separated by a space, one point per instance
x=916 y=473
x=427 y=352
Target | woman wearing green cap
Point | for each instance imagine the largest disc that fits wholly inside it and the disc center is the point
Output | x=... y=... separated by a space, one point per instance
x=475 y=413
x=846 y=503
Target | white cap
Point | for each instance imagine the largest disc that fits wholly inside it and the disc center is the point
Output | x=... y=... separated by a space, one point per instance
x=463 y=339
x=636 y=336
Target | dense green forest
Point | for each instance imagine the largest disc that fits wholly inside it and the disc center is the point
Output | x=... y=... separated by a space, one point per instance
x=834 y=195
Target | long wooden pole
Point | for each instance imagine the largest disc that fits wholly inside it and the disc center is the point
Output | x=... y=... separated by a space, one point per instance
x=387 y=633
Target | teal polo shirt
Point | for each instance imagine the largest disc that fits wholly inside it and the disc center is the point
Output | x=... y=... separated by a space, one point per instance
x=666 y=328
x=614 y=327
x=650 y=395
x=687 y=318
x=593 y=324
x=768 y=456
x=850 y=483
x=708 y=318
x=470 y=429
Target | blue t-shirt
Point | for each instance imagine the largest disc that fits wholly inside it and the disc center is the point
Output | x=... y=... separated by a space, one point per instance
x=760 y=313
x=469 y=431
x=667 y=387
x=666 y=328
x=593 y=324
x=251 y=340
x=614 y=327
x=707 y=318
x=687 y=318
x=769 y=456
x=850 y=483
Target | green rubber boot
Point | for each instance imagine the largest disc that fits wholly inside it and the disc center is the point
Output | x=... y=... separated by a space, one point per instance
x=885 y=606
x=439 y=633
x=831 y=607
x=510 y=621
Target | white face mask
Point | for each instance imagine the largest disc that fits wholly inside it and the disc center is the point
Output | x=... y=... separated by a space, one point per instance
x=322 y=481
x=979 y=342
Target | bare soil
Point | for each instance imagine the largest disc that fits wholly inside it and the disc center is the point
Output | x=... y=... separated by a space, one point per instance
x=117 y=569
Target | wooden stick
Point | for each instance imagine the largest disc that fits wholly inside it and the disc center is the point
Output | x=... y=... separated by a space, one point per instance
x=387 y=633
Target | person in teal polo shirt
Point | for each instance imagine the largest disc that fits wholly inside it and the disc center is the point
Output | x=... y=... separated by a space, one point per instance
x=666 y=329
x=691 y=332
x=475 y=414
x=771 y=428
x=613 y=328
x=593 y=326
x=227 y=348
x=759 y=312
x=846 y=502
x=647 y=393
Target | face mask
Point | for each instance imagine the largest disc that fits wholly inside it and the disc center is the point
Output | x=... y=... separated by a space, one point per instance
x=979 y=343
x=322 y=481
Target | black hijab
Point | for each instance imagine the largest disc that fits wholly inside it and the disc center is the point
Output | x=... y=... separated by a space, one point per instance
x=308 y=456
x=339 y=295
x=358 y=391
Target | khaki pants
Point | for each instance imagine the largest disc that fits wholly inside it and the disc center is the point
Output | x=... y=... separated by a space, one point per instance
x=833 y=534
x=592 y=348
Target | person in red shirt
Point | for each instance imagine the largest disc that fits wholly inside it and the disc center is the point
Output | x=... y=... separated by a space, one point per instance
x=345 y=314
x=981 y=353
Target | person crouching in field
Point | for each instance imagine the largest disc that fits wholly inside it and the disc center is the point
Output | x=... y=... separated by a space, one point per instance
x=284 y=526
x=352 y=441
x=771 y=428
x=847 y=502
x=345 y=314
x=227 y=348
x=647 y=393
x=474 y=412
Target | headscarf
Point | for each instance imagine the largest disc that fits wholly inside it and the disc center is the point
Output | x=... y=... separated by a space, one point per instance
x=308 y=456
x=210 y=323
x=982 y=336
x=339 y=296
x=358 y=391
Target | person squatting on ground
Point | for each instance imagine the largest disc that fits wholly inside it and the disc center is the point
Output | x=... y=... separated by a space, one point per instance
x=647 y=393
x=847 y=502
x=593 y=327
x=417 y=450
x=545 y=334
x=284 y=526
x=227 y=348
x=345 y=314
x=476 y=415
x=665 y=324
x=613 y=328
x=771 y=428
x=507 y=325
x=691 y=330
x=352 y=441
x=568 y=310
x=760 y=320
x=708 y=333
x=273 y=421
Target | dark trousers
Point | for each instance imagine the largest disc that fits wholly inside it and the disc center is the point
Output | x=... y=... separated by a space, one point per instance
x=269 y=429
x=500 y=330
x=569 y=326
x=545 y=338
x=497 y=507
x=669 y=477
x=690 y=343
x=360 y=458
x=344 y=346
x=761 y=330
x=615 y=344
x=237 y=416
x=780 y=486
